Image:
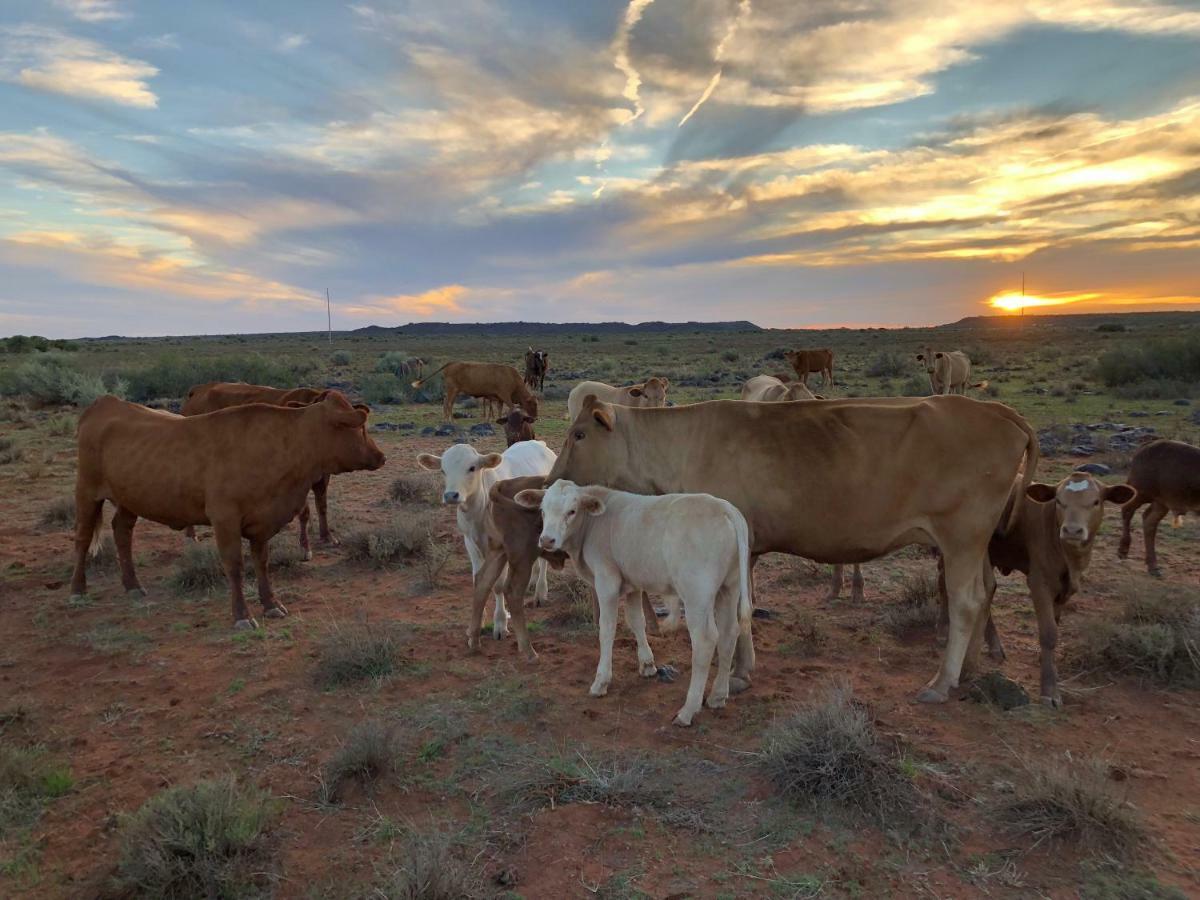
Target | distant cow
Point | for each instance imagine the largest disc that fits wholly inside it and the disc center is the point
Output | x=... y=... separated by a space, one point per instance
x=691 y=546
x=537 y=363
x=486 y=381
x=1165 y=474
x=246 y=471
x=807 y=361
x=1050 y=542
x=768 y=389
x=650 y=393
x=469 y=476
x=205 y=398
x=949 y=371
x=518 y=426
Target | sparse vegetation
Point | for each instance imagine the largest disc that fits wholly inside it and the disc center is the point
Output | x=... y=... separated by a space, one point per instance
x=1108 y=881
x=10 y=451
x=404 y=539
x=1076 y=803
x=535 y=781
x=1156 y=636
x=427 y=867
x=198 y=569
x=828 y=757
x=572 y=606
x=357 y=651
x=412 y=488
x=371 y=751
x=29 y=779
x=340 y=357
x=917 y=607
x=52 y=379
x=888 y=364
x=206 y=840
x=59 y=514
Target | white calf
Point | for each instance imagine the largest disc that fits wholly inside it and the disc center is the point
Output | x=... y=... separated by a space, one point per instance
x=469 y=477
x=694 y=546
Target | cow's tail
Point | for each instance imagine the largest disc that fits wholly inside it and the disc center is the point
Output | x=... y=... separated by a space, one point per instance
x=425 y=378
x=745 y=598
x=97 y=534
x=979 y=386
x=1032 y=455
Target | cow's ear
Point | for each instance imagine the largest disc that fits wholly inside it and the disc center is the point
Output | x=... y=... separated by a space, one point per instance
x=636 y=392
x=938 y=355
x=1041 y=493
x=363 y=408
x=818 y=397
x=920 y=357
x=491 y=461
x=530 y=499
x=429 y=462
x=296 y=404
x=529 y=420
x=666 y=383
x=591 y=504
x=603 y=416
x=1119 y=493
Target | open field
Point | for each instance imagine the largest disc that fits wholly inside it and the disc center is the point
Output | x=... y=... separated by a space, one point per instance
x=383 y=749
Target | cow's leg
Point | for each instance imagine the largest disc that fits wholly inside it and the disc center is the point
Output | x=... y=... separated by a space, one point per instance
x=649 y=615
x=971 y=660
x=514 y=589
x=87 y=520
x=448 y=402
x=122 y=528
x=1150 y=520
x=302 y=525
x=943 y=623
x=485 y=580
x=1044 y=606
x=636 y=620
x=991 y=637
x=856 y=585
x=1127 y=512
x=227 y=532
x=259 y=553
x=320 y=491
x=541 y=587
x=702 y=629
x=189 y=533
x=743 y=659
x=727 y=632
x=966 y=597
x=608 y=596
x=836 y=579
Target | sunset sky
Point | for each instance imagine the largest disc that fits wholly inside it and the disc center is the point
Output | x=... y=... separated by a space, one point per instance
x=213 y=167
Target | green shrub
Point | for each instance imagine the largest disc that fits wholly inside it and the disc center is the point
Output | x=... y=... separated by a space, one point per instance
x=29 y=779
x=383 y=388
x=52 y=379
x=401 y=540
x=888 y=364
x=413 y=489
x=340 y=357
x=426 y=867
x=172 y=375
x=357 y=651
x=1110 y=328
x=371 y=751
x=1176 y=360
x=206 y=840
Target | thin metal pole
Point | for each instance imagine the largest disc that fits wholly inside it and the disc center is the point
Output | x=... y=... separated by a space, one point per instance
x=329 y=315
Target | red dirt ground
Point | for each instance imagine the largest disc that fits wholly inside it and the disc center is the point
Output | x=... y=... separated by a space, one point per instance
x=182 y=698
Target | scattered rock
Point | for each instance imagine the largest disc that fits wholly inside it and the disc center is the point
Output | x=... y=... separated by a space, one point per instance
x=667 y=673
x=1182 y=402
x=385 y=426
x=761 y=612
x=1138 y=414
x=483 y=429
x=1094 y=469
x=1085 y=450
x=446 y=429
x=407 y=426
x=998 y=690
x=428 y=431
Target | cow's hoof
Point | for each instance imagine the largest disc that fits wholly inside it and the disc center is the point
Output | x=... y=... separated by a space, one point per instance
x=716 y=702
x=531 y=655
x=330 y=540
x=77 y=598
x=278 y=611
x=245 y=625
x=932 y=695
x=1156 y=572
x=739 y=684
x=683 y=721
x=135 y=593
x=1052 y=702
x=499 y=633
x=997 y=654
x=307 y=555
x=598 y=690
x=647 y=669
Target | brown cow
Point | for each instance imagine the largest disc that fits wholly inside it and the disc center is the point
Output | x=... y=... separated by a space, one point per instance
x=518 y=426
x=245 y=470
x=206 y=398
x=806 y=361
x=651 y=392
x=484 y=380
x=1165 y=474
x=944 y=480
x=537 y=364
x=1050 y=542
x=768 y=389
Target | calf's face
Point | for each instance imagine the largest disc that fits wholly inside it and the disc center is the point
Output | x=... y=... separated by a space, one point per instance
x=1079 y=505
x=652 y=393
x=563 y=506
x=929 y=360
x=517 y=426
x=462 y=467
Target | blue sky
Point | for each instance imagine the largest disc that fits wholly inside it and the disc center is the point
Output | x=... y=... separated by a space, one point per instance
x=176 y=168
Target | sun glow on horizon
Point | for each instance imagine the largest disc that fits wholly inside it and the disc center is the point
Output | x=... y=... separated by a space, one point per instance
x=1012 y=301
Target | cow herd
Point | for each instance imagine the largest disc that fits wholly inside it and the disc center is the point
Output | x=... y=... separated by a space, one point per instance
x=650 y=498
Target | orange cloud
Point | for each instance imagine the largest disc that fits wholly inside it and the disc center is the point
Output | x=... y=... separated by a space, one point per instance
x=438 y=301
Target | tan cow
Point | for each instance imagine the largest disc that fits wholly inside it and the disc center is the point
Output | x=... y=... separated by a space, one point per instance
x=1050 y=541
x=650 y=393
x=949 y=371
x=944 y=480
x=769 y=389
x=1165 y=474
x=246 y=471
x=487 y=381
x=206 y=398
x=805 y=362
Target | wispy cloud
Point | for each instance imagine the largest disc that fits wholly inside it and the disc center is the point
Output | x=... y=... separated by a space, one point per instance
x=446 y=301
x=46 y=59
x=291 y=42
x=633 y=81
x=93 y=10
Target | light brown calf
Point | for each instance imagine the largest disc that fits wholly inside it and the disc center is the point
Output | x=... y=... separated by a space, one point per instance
x=768 y=389
x=485 y=381
x=949 y=371
x=650 y=393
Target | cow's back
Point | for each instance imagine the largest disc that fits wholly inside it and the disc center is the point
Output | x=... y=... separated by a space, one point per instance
x=481 y=379
x=1168 y=471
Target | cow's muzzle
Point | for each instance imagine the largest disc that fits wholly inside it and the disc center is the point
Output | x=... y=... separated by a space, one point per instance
x=450 y=497
x=546 y=542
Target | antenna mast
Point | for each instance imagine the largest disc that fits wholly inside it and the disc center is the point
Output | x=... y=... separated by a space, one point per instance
x=1022 y=293
x=329 y=314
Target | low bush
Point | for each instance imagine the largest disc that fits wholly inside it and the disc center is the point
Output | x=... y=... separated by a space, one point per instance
x=29 y=779
x=205 y=840
x=1176 y=361
x=10 y=451
x=427 y=867
x=402 y=540
x=172 y=375
x=340 y=357
x=383 y=388
x=59 y=513
x=371 y=751
x=888 y=364
x=357 y=651
x=536 y=781
x=1110 y=328
x=198 y=569
x=413 y=489
x=52 y=380
x=918 y=607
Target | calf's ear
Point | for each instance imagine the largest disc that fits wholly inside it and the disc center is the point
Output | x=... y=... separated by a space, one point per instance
x=1041 y=493
x=295 y=404
x=591 y=504
x=636 y=392
x=530 y=499
x=491 y=461
x=604 y=417
x=363 y=408
x=429 y=462
x=938 y=355
x=1119 y=493
x=920 y=357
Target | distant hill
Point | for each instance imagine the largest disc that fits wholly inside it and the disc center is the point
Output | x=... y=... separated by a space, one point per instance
x=1079 y=320
x=509 y=328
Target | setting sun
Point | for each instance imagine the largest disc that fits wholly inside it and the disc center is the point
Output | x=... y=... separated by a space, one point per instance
x=1012 y=301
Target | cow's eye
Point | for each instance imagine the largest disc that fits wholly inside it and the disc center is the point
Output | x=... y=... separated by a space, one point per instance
x=579 y=435
x=570 y=513
x=472 y=469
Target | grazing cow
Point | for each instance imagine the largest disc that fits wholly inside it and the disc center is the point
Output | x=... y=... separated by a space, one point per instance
x=469 y=476
x=693 y=546
x=650 y=393
x=206 y=398
x=537 y=364
x=768 y=389
x=518 y=426
x=485 y=380
x=839 y=497
x=1165 y=474
x=949 y=371
x=1050 y=542
x=246 y=471
x=413 y=365
x=806 y=361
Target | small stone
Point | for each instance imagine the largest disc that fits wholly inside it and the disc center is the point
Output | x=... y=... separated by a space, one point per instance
x=1094 y=469
x=998 y=690
x=667 y=674
x=483 y=429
